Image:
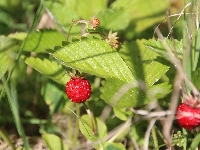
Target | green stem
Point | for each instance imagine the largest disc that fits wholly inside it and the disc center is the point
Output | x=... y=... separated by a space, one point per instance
x=24 y=120
x=12 y=99
x=155 y=140
x=11 y=93
x=70 y=125
x=6 y=139
x=22 y=47
x=81 y=122
x=76 y=132
x=186 y=51
x=68 y=33
x=91 y=118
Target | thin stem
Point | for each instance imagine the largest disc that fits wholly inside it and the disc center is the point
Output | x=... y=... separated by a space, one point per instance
x=81 y=122
x=177 y=63
x=103 y=35
x=6 y=139
x=24 y=120
x=147 y=133
x=12 y=99
x=155 y=140
x=73 y=24
x=118 y=131
x=91 y=118
x=22 y=47
x=76 y=132
x=68 y=33
x=134 y=141
x=70 y=125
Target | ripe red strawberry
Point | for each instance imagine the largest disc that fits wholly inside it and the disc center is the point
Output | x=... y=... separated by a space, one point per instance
x=78 y=90
x=187 y=116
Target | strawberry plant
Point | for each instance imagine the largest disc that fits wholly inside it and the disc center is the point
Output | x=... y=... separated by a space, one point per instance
x=100 y=74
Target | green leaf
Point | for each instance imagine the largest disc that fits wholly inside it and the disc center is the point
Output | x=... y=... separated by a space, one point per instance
x=49 y=68
x=157 y=46
x=6 y=19
x=142 y=9
x=196 y=52
x=3 y=63
x=160 y=90
x=144 y=66
x=53 y=142
x=85 y=126
x=114 y=19
x=121 y=94
x=115 y=146
x=87 y=8
x=43 y=39
x=6 y=43
x=53 y=97
x=63 y=13
x=142 y=62
x=121 y=113
x=18 y=35
x=93 y=56
x=142 y=14
x=137 y=131
x=145 y=23
x=195 y=142
x=125 y=95
x=196 y=78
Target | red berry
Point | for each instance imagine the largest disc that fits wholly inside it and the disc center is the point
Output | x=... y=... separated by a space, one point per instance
x=94 y=23
x=187 y=116
x=78 y=90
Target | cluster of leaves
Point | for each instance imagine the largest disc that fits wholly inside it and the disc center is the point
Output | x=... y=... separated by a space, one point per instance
x=132 y=76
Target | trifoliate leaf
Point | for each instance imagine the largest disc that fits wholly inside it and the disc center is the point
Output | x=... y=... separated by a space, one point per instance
x=146 y=70
x=93 y=56
x=49 y=68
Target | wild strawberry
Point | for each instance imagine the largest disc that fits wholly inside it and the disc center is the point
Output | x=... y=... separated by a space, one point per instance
x=94 y=23
x=78 y=90
x=187 y=116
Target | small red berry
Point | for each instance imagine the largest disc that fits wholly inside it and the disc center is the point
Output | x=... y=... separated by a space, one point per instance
x=94 y=23
x=187 y=116
x=78 y=90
